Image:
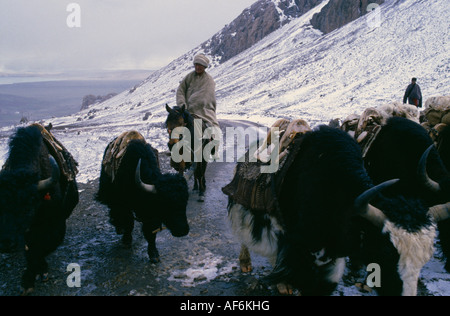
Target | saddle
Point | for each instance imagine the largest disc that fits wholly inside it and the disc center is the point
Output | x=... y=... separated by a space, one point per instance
x=364 y=128
x=259 y=191
x=116 y=151
x=67 y=164
x=436 y=117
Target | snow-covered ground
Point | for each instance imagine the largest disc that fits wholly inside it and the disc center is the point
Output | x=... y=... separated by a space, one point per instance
x=295 y=72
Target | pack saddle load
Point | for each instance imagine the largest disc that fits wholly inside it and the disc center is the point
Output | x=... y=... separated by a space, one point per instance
x=364 y=128
x=258 y=191
x=436 y=116
x=116 y=151
x=67 y=164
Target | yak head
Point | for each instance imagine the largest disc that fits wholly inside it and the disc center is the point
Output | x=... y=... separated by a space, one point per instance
x=21 y=194
x=400 y=237
x=172 y=195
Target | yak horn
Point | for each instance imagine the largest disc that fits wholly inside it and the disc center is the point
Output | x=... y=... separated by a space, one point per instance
x=422 y=171
x=44 y=185
x=374 y=215
x=146 y=187
x=440 y=212
x=370 y=212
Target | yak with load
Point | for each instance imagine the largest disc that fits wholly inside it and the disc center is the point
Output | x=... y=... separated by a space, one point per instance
x=133 y=187
x=38 y=192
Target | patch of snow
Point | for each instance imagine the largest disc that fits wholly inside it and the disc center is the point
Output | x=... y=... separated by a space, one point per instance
x=203 y=268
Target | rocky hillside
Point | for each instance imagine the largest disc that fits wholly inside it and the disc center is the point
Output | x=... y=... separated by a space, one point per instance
x=337 y=13
x=90 y=99
x=266 y=16
x=254 y=23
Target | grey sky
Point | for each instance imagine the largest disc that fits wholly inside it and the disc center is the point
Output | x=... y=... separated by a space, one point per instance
x=114 y=34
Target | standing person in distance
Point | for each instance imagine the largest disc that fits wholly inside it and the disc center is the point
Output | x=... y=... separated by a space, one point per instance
x=413 y=94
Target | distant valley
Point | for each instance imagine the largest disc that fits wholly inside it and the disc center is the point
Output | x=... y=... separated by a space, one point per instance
x=45 y=99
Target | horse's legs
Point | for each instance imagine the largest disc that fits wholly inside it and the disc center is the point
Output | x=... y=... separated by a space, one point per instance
x=195 y=172
x=196 y=182
x=200 y=178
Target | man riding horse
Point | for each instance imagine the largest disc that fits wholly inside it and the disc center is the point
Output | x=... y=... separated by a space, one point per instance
x=196 y=94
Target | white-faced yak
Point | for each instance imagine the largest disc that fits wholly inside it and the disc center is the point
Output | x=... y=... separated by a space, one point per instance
x=36 y=197
x=323 y=194
x=403 y=149
x=132 y=186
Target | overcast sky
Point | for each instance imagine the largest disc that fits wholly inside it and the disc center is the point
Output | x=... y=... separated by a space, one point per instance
x=114 y=34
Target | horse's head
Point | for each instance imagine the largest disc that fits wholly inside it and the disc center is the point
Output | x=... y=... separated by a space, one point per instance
x=178 y=117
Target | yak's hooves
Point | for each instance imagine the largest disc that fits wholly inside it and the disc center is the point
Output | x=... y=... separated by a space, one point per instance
x=284 y=289
x=43 y=277
x=447 y=266
x=153 y=254
x=363 y=287
x=201 y=197
x=155 y=260
x=26 y=292
x=245 y=268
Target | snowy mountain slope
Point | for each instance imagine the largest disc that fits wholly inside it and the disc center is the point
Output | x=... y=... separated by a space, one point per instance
x=298 y=72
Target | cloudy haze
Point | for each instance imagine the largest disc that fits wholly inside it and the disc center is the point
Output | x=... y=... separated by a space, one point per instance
x=35 y=36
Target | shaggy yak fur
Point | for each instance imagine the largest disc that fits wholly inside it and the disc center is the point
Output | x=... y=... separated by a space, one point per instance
x=127 y=200
x=396 y=153
x=321 y=219
x=33 y=217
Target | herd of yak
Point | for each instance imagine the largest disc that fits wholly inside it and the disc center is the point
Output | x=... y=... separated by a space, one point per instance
x=336 y=202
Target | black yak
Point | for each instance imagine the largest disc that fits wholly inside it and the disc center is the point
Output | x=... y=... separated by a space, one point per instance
x=138 y=189
x=35 y=201
x=324 y=194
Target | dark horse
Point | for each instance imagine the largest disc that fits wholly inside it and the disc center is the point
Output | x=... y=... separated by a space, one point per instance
x=180 y=117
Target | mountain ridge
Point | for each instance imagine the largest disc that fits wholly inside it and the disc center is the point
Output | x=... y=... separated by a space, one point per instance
x=253 y=24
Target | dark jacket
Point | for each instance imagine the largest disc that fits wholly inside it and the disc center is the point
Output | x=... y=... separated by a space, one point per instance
x=413 y=93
